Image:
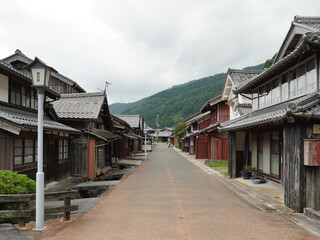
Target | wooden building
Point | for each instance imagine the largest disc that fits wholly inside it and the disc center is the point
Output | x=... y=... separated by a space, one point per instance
x=122 y=147
x=18 y=127
x=137 y=124
x=196 y=140
x=283 y=127
x=217 y=144
x=58 y=82
x=88 y=112
x=239 y=105
x=165 y=134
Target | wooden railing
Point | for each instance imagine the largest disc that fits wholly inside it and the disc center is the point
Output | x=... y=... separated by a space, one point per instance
x=22 y=199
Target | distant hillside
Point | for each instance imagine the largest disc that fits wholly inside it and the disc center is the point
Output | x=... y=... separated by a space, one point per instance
x=257 y=67
x=176 y=103
x=118 y=108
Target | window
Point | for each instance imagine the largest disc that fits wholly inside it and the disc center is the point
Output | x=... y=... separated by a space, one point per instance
x=100 y=156
x=15 y=94
x=292 y=85
x=58 y=86
x=63 y=149
x=311 y=76
x=275 y=154
x=28 y=151
x=284 y=88
x=275 y=92
x=255 y=101
x=260 y=152
x=302 y=80
x=18 y=151
x=25 y=151
x=262 y=94
x=297 y=82
x=268 y=95
x=25 y=97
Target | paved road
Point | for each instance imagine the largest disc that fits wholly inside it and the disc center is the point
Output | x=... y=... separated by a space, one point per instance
x=167 y=197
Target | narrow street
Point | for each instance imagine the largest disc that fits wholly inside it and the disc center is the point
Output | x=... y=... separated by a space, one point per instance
x=167 y=197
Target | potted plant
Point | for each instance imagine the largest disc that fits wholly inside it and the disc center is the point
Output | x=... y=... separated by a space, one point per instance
x=246 y=173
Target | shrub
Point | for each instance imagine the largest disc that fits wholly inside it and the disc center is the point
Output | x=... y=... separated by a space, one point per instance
x=248 y=168
x=13 y=183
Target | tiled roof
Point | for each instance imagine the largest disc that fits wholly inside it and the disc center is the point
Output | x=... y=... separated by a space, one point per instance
x=8 y=67
x=195 y=118
x=129 y=136
x=18 y=54
x=313 y=23
x=210 y=103
x=165 y=134
x=79 y=105
x=275 y=114
x=133 y=120
x=238 y=76
x=103 y=134
x=243 y=108
x=213 y=126
x=24 y=118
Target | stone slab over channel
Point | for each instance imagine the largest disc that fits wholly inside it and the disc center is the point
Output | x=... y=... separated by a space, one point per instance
x=140 y=155
x=96 y=184
x=129 y=162
x=85 y=204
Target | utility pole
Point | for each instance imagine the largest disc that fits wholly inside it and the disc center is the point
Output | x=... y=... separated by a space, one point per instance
x=157 y=125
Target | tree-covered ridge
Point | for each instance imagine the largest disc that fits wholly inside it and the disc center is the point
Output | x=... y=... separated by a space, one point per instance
x=176 y=103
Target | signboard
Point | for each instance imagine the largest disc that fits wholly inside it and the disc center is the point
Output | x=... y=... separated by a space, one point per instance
x=316 y=128
x=311 y=152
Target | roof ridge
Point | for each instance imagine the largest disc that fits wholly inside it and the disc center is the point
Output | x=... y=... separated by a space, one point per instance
x=243 y=70
x=18 y=52
x=302 y=19
x=79 y=95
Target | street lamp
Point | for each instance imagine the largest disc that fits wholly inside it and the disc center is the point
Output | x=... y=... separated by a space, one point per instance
x=40 y=80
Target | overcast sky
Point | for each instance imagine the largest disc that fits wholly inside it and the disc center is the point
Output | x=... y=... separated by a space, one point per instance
x=145 y=46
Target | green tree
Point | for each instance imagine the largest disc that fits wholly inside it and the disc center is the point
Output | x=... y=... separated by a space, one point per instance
x=269 y=62
x=179 y=130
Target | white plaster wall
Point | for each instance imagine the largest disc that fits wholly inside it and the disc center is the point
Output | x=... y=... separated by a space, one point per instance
x=4 y=88
x=254 y=149
x=266 y=153
x=240 y=140
x=231 y=109
x=242 y=99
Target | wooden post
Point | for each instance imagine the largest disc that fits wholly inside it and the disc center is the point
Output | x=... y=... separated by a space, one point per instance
x=66 y=212
x=21 y=206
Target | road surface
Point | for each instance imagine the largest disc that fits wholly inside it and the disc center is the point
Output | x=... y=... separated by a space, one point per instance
x=167 y=197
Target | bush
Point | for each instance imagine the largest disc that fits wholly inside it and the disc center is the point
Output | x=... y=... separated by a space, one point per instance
x=13 y=183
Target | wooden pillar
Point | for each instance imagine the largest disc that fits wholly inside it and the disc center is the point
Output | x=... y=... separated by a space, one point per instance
x=66 y=212
x=92 y=164
x=231 y=155
x=294 y=175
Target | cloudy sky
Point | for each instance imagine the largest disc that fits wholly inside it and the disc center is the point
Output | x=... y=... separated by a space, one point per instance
x=145 y=46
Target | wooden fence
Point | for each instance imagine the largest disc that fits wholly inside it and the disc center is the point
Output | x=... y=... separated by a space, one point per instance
x=22 y=199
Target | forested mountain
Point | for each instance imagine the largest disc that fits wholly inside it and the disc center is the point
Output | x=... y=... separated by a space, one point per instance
x=176 y=103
